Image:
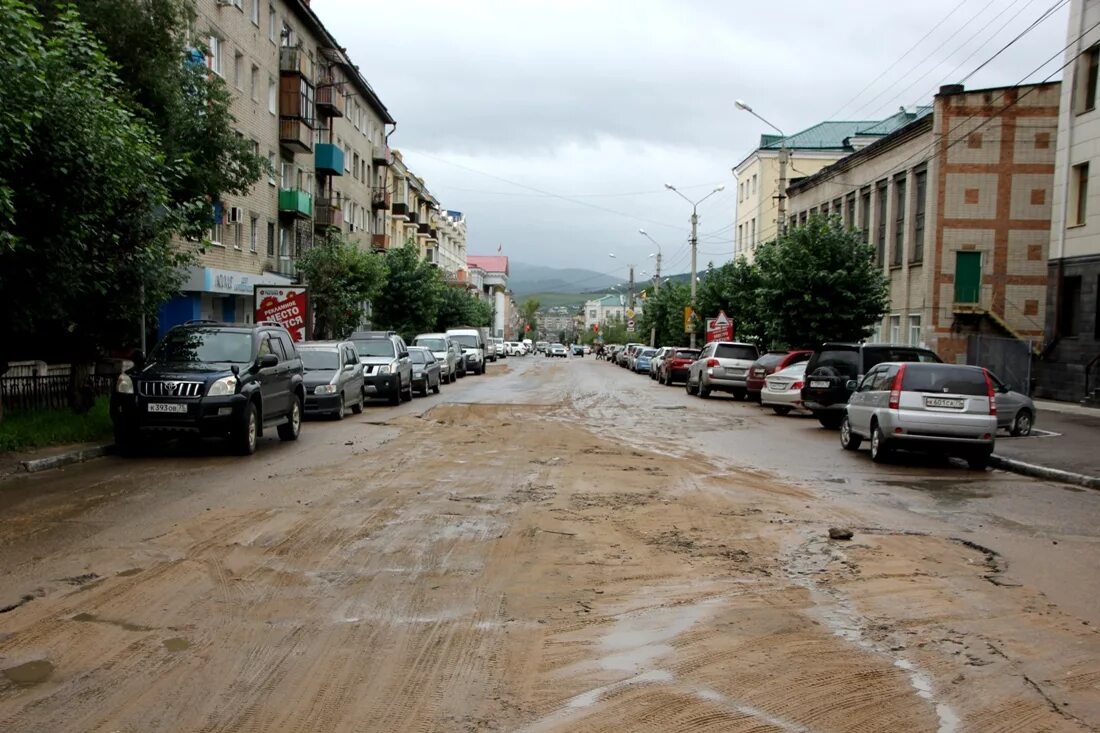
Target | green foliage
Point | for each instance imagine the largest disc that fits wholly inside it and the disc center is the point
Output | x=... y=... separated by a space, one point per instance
x=341 y=279
x=410 y=299
x=819 y=282
x=731 y=288
x=529 y=313
x=36 y=429
x=664 y=310
x=461 y=308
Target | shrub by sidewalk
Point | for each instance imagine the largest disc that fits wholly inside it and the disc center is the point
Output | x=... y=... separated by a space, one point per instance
x=40 y=428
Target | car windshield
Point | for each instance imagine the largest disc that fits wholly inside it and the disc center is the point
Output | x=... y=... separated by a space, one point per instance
x=795 y=370
x=468 y=342
x=734 y=351
x=432 y=343
x=872 y=357
x=203 y=345
x=375 y=347
x=944 y=379
x=416 y=356
x=771 y=358
x=845 y=362
x=319 y=359
x=648 y=353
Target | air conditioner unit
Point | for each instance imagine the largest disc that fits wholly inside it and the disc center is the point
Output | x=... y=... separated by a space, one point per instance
x=236 y=215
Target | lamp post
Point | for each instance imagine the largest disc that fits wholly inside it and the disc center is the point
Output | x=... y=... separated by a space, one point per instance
x=694 y=240
x=781 y=205
x=657 y=254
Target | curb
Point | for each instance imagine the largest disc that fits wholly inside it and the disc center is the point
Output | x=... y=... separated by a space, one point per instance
x=1050 y=474
x=35 y=465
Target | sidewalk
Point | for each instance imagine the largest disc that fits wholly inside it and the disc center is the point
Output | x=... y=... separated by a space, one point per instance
x=1074 y=448
x=55 y=456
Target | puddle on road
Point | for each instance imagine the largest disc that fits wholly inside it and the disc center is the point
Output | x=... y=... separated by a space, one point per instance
x=30 y=673
x=125 y=625
x=176 y=644
x=945 y=489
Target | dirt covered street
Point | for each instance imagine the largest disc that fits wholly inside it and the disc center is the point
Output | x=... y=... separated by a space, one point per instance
x=547 y=548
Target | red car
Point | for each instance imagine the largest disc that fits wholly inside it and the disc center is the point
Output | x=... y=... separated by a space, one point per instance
x=674 y=368
x=770 y=363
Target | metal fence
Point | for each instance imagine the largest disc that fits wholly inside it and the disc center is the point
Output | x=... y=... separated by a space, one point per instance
x=1008 y=358
x=36 y=392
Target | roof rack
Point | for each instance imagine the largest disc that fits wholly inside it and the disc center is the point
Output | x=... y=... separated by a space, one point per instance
x=199 y=320
x=270 y=323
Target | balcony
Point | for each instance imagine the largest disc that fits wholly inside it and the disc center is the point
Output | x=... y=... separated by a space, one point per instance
x=296 y=135
x=296 y=202
x=381 y=155
x=433 y=235
x=380 y=200
x=328 y=214
x=424 y=229
x=400 y=209
x=414 y=217
x=329 y=159
x=380 y=241
x=330 y=100
x=293 y=60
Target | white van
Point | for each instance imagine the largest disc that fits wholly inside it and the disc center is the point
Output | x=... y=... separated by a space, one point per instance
x=473 y=348
x=498 y=346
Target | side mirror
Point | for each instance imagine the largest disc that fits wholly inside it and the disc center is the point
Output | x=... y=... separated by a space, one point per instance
x=138 y=357
x=350 y=367
x=266 y=361
x=852 y=385
x=404 y=355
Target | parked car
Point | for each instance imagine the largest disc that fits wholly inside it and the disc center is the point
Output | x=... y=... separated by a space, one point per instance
x=834 y=365
x=515 y=348
x=631 y=350
x=655 y=362
x=440 y=345
x=333 y=378
x=558 y=350
x=209 y=379
x=769 y=363
x=498 y=348
x=676 y=365
x=1015 y=410
x=587 y=349
x=642 y=360
x=426 y=370
x=928 y=407
x=542 y=347
x=783 y=389
x=473 y=348
x=460 y=360
x=386 y=368
x=577 y=350
x=722 y=366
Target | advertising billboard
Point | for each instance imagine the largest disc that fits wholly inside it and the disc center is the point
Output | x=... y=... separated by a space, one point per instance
x=287 y=305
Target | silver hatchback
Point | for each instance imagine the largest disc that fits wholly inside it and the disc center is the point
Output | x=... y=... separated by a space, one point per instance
x=940 y=408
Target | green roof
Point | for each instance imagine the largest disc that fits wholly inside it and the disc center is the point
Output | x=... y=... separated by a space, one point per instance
x=834 y=134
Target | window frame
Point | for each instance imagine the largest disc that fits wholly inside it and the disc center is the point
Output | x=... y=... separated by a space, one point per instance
x=1080 y=173
x=920 y=209
x=901 y=191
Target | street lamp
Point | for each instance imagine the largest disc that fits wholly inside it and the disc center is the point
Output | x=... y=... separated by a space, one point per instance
x=694 y=240
x=657 y=254
x=783 y=155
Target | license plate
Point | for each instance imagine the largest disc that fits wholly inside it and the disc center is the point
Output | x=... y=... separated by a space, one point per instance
x=818 y=384
x=943 y=402
x=167 y=407
x=777 y=387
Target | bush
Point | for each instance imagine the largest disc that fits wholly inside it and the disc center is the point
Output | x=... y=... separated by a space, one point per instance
x=40 y=428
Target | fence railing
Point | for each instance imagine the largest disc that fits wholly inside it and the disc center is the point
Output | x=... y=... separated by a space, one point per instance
x=33 y=392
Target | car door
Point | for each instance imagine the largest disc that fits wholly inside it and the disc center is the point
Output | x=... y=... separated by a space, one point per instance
x=861 y=403
x=1008 y=402
x=404 y=365
x=351 y=376
x=275 y=380
x=696 y=372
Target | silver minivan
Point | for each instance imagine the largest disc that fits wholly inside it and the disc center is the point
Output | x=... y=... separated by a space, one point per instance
x=938 y=408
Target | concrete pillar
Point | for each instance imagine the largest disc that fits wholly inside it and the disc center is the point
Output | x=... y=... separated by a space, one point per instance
x=498 y=315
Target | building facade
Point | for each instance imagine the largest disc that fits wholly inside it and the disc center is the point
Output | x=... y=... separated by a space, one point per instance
x=493 y=276
x=957 y=207
x=613 y=307
x=1070 y=365
x=304 y=105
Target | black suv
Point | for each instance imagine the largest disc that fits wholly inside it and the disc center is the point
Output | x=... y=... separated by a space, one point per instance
x=387 y=371
x=826 y=392
x=209 y=379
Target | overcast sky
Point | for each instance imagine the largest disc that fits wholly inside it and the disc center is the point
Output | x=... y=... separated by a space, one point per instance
x=553 y=124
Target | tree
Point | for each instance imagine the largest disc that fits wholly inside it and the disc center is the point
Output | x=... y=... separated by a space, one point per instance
x=410 y=299
x=732 y=288
x=341 y=279
x=664 y=310
x=530 y=314
x=819 y=282
x=460 y=308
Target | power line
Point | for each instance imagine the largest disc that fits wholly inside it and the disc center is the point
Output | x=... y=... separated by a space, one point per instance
x=1049 y=12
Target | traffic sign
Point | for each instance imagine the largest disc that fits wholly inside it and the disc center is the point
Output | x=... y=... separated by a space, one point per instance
x=630 y=326
x=688 y=315
x=720 y=328
x=629 y=313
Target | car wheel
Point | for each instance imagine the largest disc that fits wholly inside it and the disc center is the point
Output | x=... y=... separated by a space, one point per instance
x=739 y=395
x=395 y=398
x=339 y=414
x=293 y=425
x=357 y=408
x=703 y=390
x=828 y=420
x=979 y=461
x=781 y=410
x=125 y=441
x=408 y=394
x=247 y=434
x=879 y=450
x=435 y=389
x=1021 y=426
x=848 y=439
x=687 y=385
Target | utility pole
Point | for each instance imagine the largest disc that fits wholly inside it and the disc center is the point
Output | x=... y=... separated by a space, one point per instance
x=694 y=242
x=630 y=301
x=781 y=227
x=657 y=279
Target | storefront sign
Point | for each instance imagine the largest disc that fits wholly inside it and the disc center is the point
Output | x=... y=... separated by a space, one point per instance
x=287 y=305
x=228 y=282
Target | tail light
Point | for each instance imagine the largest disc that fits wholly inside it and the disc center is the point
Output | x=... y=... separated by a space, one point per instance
x=712 y=362
x=992 y=394
x=798 y=385
x=895 y=390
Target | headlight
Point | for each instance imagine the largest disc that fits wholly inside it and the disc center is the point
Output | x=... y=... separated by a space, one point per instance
x=383 y=370
x=325 y=389
x=124 y=385
x=222 y=387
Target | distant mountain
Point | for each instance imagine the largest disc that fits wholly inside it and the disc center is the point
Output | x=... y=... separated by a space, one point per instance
x=526 y=279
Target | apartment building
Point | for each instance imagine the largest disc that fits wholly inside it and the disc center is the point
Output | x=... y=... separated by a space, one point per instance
x=807 y=153
x=1070 y=365
x=613 y=307
x=450 y=253
x=304 y=105
x=491 y=271
x=957 y=205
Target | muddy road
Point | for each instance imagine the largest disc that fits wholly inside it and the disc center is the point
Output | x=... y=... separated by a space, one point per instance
x=556 y=546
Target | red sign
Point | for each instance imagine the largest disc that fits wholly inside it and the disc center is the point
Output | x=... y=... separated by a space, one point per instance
x=595 y=328
x=287 y=305
x=720 y=328
x=527 y=328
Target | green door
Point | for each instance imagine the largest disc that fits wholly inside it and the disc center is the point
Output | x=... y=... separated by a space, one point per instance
x=968 y=277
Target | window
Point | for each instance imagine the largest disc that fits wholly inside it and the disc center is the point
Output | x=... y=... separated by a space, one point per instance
x=272 y=96
x=272 y=166
x=355 y=167
x=880 y=224
x=754 y=183
x=899 y=220
x=752 y=236
x=272 y=22
x=238 y=70
x=865 y=214
x=254 y=12
x=914 y=330
x=253 y=231
x=1087 y=65
x=740 y=242
x=347 y=159
x=254 y=83
x=216 y=233
x=214 y=54
x=850 y=211
x=921 y=181
x=1080 y=193
x=895 y=329
x=286 y=174
x=271 y=239
x=1069 y=323
x=237 y=236
x=285 y=239
x=836 y=209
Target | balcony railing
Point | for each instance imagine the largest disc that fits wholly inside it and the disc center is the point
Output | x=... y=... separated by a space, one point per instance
x=293 y=60
x=381 y=155
x=380 y=241
x=400 y=208
x=296 y=135
x=296 y=202
x=330 y=100
x=329 y=159
x=328 y=214
x=381 y=199
x=414 y=216
x=424 y=229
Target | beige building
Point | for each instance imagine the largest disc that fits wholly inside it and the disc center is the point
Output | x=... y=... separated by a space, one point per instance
x=1069 y=367
x=957 y=206
x=808 y=152
x=304 y=105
